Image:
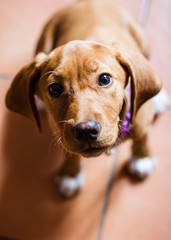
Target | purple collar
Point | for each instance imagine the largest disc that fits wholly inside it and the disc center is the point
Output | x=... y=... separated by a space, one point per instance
x=126 y=125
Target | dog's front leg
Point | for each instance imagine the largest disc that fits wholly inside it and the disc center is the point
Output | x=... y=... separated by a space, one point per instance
x=71 y=178
x=142 y=163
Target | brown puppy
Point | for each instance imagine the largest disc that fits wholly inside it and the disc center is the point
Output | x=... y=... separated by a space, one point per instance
x=91 y=61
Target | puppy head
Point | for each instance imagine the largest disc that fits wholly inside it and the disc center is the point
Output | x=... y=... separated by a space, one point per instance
x=82 y=85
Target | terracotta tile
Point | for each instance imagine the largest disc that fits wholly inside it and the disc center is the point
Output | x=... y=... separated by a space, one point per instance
x=134 y=6
x=142 y=210
x=20 y=25
x=30 y=207
x=159 y=32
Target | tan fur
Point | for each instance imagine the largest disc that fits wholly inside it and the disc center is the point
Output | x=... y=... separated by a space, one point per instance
x=108 y=41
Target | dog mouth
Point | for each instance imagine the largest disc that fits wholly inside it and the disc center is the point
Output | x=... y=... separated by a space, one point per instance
x=92 y=152
x=89 y=148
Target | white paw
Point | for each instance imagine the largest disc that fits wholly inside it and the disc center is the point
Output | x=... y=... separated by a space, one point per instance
x=160 y=102
x=141 y=167
x=69 y=186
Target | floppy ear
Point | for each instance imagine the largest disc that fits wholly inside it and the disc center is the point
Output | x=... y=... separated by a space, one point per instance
x=145 y=83
x=20 y=96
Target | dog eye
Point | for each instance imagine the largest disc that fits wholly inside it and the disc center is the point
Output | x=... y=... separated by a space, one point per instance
x=55 y=89
x=104 y=80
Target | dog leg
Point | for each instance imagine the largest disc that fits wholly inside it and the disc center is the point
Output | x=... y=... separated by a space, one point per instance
x=142 y=163
x=71 y=178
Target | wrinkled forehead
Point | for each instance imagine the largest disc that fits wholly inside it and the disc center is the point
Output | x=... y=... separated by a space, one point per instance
x=78 y=46
x=85 y=56
x=80 y=63
x=82 y=56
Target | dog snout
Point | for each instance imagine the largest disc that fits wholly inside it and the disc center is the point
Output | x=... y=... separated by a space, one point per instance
x=87 y=131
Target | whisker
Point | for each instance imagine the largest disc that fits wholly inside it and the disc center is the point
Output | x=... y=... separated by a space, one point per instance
x=128 y=131
x=55 y=141
x=50 y=145
x=120 y=132
x=55 y=133
x=121 y=127
x=59 y=140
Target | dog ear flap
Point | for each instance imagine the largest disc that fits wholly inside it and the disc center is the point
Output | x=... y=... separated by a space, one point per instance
x=145 y=83
x=20 y=96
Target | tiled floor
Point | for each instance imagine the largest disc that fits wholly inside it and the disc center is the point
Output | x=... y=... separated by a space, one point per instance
x=29 y=205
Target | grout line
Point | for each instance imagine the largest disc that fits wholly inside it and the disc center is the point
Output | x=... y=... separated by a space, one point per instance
x=144 y=12
x=107 y=194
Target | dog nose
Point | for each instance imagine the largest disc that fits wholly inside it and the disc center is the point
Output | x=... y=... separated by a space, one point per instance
x=87 y=131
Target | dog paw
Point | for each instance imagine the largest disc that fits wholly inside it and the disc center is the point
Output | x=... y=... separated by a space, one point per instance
x=141 y=167
x=69 y=186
